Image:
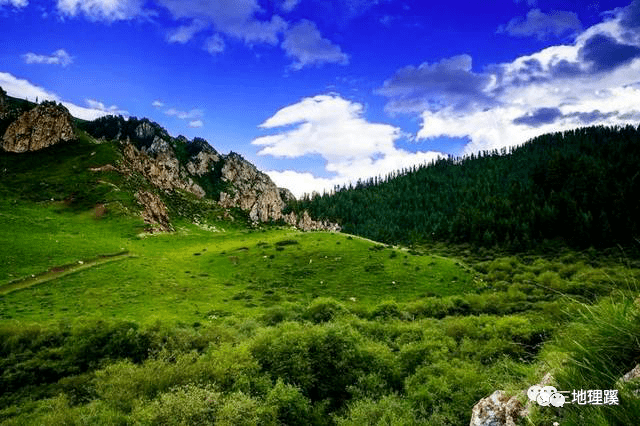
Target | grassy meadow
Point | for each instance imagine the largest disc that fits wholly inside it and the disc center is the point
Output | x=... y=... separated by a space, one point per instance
x=223 y=323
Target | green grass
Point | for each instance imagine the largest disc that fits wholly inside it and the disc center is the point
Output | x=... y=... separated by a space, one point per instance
x=192 y=272
x=222 y=323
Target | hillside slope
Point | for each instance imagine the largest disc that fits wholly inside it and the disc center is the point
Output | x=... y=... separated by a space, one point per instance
x=581 y=186
x=153 y=166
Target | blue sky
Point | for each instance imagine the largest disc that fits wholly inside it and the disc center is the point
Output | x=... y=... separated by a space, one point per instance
x=320 y=93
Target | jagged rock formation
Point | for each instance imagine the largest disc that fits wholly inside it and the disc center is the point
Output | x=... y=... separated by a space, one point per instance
x=204 y=161
x=159 y=164
x=45 y=125
x=154 y=211
x=165 y=162
x=252 y=190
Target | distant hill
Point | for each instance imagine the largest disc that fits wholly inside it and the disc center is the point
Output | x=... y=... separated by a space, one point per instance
x=130 y=164
x=580 y=186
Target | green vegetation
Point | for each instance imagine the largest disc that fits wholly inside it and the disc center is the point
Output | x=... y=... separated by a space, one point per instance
x=205 y=326
x=581 y=186
x=223 y=323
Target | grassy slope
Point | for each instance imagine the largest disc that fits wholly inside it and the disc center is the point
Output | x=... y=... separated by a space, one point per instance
x=257 y=304
x=188 y=274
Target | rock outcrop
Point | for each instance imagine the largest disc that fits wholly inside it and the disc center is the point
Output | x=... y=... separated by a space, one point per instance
x=45 y=125
x=154 y=211
x=159 y=164
x=497 y=410
x=203 y=162
x=252 y=190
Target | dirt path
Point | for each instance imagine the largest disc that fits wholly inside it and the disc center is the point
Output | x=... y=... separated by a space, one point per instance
x=61 y=271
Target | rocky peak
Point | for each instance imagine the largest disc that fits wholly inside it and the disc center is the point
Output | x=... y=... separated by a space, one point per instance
x=251 y=190
x=145 y=131
x=159 y=164
x=47 y=124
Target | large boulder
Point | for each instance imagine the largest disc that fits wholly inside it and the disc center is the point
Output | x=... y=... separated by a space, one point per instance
x=47 y=124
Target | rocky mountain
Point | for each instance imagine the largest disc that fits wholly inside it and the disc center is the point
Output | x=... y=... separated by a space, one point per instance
x=45 y=125
x=166 y=163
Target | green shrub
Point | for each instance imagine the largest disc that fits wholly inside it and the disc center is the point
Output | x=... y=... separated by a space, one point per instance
x=324 y=309
x=184 y=405
x=445 y=392
x=390 y=410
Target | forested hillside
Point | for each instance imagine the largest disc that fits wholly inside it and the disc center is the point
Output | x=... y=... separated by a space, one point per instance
x=582 y=186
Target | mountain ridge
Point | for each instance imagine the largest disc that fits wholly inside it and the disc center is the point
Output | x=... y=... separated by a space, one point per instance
x=166 y=163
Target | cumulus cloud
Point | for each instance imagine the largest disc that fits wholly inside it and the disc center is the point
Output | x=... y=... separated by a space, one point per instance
x=59 y=57
x=102 y=10
x=15 y=3
x=305 y=44
x=196 y=124
x=594 y=80
x=157 y=103
x=542 y=25
x=605 y=53
x=334 y=128
x=24 y=89
x=235 y=18
x=432 y=86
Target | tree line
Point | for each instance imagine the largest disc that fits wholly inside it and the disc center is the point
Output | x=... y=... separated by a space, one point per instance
x=581 y=186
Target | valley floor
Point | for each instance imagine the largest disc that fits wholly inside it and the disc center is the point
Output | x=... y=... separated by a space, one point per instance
x=220 y=324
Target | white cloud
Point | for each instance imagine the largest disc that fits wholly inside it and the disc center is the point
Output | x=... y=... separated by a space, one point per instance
x=542 y=25
x=23 y=89
x=305 y=44
x=593 y=81
x=196 y=123
x=184 y=115
x=335 y=129
x=14 y=3
x=157 y=103
x=235 y=18
x=214 y=44
x=102 y=10
x=59 y=57
x=184 y=33
x=99 y=106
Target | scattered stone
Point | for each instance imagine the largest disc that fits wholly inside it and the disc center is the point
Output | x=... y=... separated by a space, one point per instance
x=47 y=124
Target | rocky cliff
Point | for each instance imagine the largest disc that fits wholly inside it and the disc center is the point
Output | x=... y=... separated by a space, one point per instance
x=159 y=164
x=45 y=125
x=167 y=163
